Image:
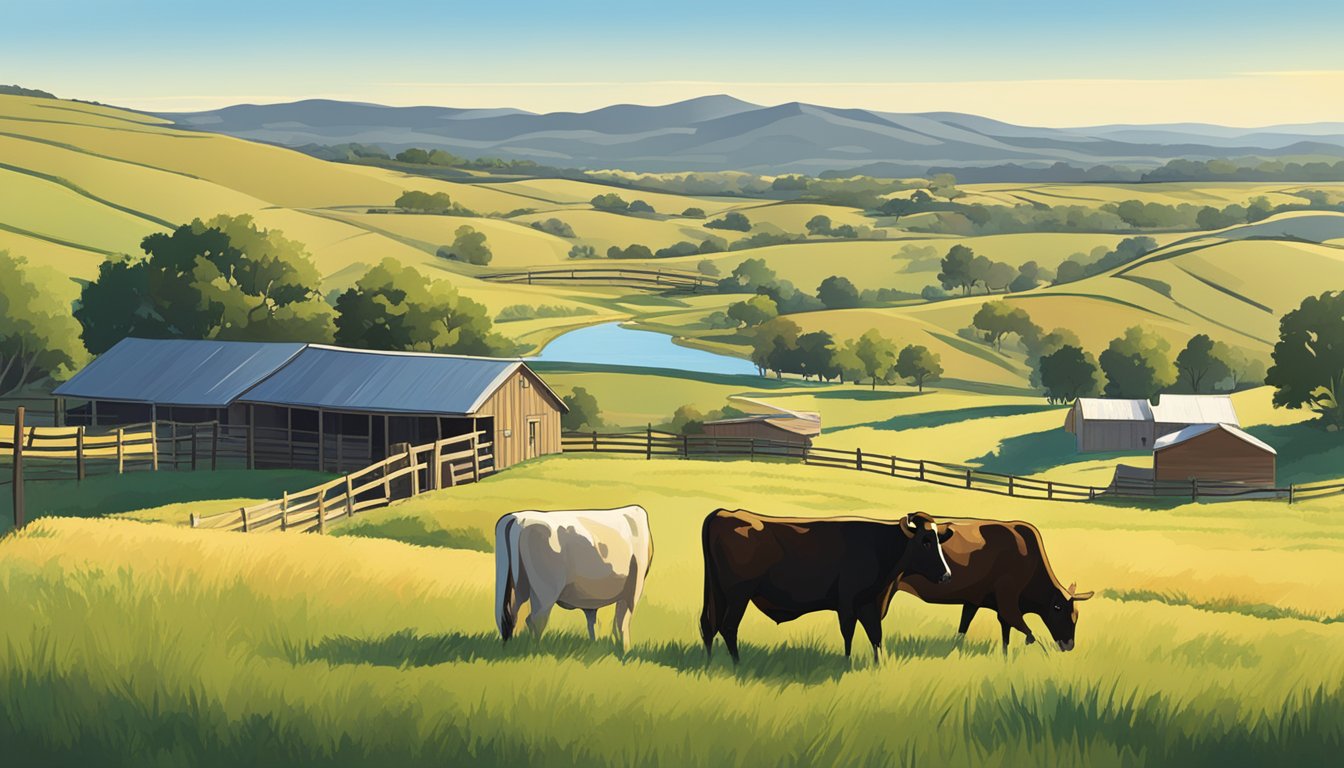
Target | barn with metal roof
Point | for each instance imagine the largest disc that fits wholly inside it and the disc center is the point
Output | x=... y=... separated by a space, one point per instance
x=1112 y=424
x=320 y=405
x=1216 y=452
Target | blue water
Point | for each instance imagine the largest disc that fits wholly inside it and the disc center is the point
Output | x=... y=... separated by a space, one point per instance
x=610 y=344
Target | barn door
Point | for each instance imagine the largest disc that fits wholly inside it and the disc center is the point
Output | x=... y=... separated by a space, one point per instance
x=533 y=438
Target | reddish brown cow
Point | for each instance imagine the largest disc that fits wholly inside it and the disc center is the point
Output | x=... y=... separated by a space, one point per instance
x=1002 y=566
x=789 y=566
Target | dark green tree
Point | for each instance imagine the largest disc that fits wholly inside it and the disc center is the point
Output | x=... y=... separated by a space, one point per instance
x=1067 y=374
x=956 y=269
x=584 y=414
x=1137 y=365
x=469 y=246
x=919 y=364
x=998 y=319
x=1199 y=367
x=610 y=202
x=838 y=293
x=1308 y=369
x=731 y=221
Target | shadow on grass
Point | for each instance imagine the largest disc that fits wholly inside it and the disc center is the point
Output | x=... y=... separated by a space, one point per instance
x=114 y=494
x=1038 y=452
x=941 y=418
x=864 y=394
x=412 y=530
x=806 y=663
x=1307 y=453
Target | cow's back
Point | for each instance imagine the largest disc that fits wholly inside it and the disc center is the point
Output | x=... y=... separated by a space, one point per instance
x=984 y=556
x=585 y=557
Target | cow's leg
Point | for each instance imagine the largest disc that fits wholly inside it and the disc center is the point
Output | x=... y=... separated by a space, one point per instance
x=591 y=615
x=870 y=616
x=622 y=623
x=1010 y=618
x=967 y=613
x=712 y=615
x=540 y=614
x=847 y=618
x=732 y=617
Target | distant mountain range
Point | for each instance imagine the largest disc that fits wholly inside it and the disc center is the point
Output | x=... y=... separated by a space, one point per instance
x=717 y=133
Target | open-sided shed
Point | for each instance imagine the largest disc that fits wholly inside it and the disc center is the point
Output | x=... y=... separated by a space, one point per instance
x=309 y=404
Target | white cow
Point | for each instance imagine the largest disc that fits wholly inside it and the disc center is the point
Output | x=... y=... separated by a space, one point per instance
x=585 y=559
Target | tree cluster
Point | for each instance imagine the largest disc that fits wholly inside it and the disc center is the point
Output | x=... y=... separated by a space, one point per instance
x=469 y=246
x=440 y=203
x=38 y=337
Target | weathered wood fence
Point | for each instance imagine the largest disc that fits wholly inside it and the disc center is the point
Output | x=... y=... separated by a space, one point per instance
x=650 y=444
x=654 y=279
x=410 y=471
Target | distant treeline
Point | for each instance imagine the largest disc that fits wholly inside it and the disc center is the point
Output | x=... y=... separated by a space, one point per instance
x=1230 y=170
x=18 y=90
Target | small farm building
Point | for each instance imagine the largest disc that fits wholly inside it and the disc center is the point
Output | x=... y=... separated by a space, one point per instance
x=1105 y=424
x=319 y=405
x=1215 y=452
x=788 y=427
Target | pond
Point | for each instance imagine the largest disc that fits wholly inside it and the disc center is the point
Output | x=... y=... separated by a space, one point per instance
x=613 y=344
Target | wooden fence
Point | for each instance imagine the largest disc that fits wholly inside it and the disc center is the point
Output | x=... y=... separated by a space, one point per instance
x=410 y=471
x=650 y=444
x=654 y=279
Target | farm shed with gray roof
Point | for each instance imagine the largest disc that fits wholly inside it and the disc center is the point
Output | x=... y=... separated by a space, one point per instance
x=320 y=405
x=1106 y=424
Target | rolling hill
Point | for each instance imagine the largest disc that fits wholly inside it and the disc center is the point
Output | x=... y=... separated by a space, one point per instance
x=723 y=133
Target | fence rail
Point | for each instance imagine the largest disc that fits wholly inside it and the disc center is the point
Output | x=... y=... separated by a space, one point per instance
x=650 y=444
x=410 y=471
x=656 y=279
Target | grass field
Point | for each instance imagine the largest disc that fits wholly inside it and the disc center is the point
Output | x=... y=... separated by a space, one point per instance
x=1215 y=640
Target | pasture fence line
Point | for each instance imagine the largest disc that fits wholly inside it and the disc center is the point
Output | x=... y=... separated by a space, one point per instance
x=407 y=472
x=655 y=279
x=652 y=444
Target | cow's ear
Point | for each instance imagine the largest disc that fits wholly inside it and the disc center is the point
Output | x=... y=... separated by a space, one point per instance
x=908 y=527
x=1082 y=596
x=945 y=535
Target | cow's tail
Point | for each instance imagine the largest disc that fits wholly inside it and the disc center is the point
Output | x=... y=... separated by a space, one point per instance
x=505 y=582
x=714 y=600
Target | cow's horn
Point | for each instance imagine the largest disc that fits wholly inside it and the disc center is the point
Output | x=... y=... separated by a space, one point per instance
x=1072 y=587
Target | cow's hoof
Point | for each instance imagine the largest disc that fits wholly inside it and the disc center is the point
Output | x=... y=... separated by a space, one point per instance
x=1031 y=639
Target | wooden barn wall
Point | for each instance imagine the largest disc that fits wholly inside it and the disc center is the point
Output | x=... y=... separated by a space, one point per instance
x=1097 y=435
x=756 y=430
x=1215 y=456
x=511 y=406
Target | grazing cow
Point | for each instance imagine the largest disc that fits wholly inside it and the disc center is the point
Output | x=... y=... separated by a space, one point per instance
x=1002 y=566
x=581 y=560
x=789 y=566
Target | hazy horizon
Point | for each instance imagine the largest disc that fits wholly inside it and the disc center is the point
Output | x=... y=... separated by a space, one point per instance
x=1050 y=64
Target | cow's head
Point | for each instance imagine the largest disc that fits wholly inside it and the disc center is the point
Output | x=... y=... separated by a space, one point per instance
x=1060 y=614
x=924 y=553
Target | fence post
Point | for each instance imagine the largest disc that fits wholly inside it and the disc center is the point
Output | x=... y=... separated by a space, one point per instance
x=194 y=429
x=921 y=470
x=968 y=477
x=1091 y=493
x=154 y=445
x=322 y=511
x=1292 y=491
x=349 y=497
x=121 y=451
x=858 y=459
x=648 y=445
x=893 y=466
x=415 y=473
x=174 y=438
x=751 y=448
x=214 y=445
x=1049 y=490
x=246 y=523
x=685 y=446
x=18 y=468
x=195 y=520
x=284 y=511
x=594 y=439
x=476 y=457
x=79 y=453
x=1194 y=489
x=1010 y=485
x=251 y=439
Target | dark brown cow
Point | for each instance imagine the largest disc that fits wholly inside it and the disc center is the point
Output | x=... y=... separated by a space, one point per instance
x=789 y=566
x=1002 y=565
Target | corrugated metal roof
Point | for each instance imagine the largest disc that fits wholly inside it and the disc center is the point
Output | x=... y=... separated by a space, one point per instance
x=385 y=382
x=1180 y=436
x=208 y=374
x=1195 y=409
x=1107 y=409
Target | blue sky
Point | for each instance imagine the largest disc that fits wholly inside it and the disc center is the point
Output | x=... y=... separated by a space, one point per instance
x=1143 y=60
